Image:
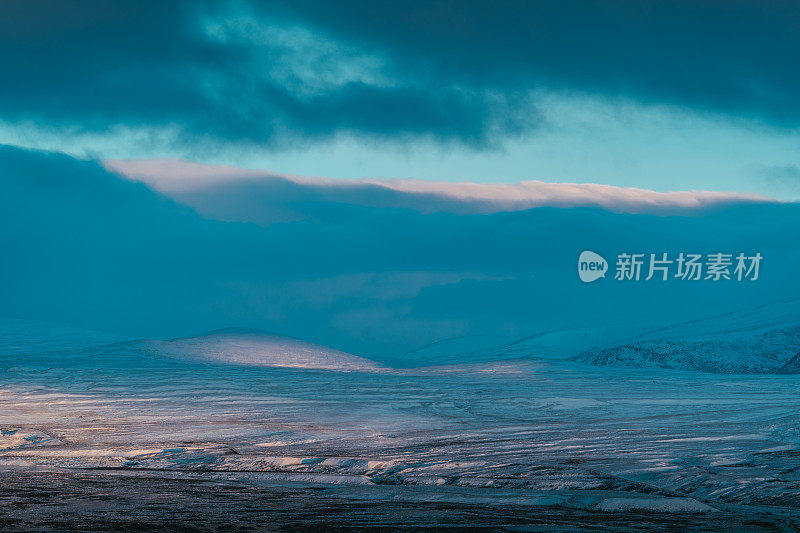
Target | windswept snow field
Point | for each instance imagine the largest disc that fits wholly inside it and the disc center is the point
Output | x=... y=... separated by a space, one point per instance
x=236 y=429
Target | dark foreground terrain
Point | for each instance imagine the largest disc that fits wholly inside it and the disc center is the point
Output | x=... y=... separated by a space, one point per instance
x=152 y=501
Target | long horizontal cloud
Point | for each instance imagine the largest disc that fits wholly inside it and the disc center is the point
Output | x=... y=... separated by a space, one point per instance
x=233 y=193
x=272 y=72
x=83 y=246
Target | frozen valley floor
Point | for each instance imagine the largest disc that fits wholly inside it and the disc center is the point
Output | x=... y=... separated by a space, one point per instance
x=120 y=438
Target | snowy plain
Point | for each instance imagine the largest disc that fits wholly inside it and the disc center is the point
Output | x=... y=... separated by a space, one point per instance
x=102 y=432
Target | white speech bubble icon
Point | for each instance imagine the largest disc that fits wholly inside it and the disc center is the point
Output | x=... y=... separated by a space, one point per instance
x=591 y=266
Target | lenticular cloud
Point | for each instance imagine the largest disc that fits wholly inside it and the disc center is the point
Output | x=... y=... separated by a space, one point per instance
x=187 y=181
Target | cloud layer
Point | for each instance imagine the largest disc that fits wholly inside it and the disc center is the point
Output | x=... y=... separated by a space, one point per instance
x=84 y=246
x=276 y=73
x=233 y=193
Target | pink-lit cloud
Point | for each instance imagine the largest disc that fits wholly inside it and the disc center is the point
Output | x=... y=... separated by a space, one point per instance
x=180 y=178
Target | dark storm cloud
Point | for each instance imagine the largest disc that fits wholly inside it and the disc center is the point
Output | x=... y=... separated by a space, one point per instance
x=738 y=57
x=451 y=70
x=95 y=65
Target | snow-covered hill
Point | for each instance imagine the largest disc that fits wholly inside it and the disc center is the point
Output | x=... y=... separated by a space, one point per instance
x=256 y=348
x=764 y=340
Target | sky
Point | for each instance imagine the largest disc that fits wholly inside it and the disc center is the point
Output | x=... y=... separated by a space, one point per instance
x=377 y=176
x=666 y=96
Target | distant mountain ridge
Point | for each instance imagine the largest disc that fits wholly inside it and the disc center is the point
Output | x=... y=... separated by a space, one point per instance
x=764 y=340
